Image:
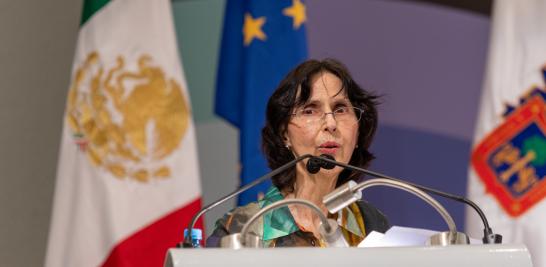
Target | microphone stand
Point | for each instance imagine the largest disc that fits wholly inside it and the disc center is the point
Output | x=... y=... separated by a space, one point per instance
x=188 y=239
x=488 y=238
x=350 y=192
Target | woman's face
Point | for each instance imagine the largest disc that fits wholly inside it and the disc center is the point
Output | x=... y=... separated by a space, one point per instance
x=311 y=134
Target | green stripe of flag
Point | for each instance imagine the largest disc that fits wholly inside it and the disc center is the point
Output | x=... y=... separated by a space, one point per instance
x=90 y=7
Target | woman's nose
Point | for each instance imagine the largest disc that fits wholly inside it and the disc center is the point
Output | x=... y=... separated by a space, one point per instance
x=330 y=123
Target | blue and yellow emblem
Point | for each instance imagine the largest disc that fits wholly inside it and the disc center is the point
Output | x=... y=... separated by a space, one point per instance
x=511 y=160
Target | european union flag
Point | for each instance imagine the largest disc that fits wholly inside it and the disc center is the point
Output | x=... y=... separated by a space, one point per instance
x=262 y=41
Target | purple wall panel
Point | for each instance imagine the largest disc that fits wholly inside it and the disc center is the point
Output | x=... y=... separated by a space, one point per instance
x=428 y=61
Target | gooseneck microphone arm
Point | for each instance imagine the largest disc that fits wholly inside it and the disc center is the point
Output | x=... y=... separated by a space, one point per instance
x=350 y=192
x=488 y=238
x=188 y=238
x=415 y=191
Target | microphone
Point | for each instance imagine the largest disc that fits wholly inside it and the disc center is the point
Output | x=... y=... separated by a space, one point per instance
x=188 y=239
x=488 y=238
x=314 y=164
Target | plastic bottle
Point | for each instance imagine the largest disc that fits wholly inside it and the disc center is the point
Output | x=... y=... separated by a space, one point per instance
x=196 y=236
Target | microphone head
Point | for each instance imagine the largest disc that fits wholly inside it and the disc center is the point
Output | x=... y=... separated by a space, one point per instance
x=315 y=163
x=325 y=164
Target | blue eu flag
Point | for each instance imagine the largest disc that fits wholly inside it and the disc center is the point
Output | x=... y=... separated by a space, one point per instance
x=262 y=41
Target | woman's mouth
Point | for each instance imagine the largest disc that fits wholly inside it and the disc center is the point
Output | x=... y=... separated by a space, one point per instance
x=328 y=147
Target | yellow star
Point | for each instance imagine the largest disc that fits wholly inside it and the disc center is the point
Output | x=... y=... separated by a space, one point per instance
x=253 y=29
x=297 y=12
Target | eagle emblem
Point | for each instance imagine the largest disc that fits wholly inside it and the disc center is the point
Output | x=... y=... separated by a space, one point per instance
x=127 y=122
x=511 y=160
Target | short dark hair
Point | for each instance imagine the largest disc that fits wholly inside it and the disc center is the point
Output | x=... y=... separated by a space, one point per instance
x=286 y=98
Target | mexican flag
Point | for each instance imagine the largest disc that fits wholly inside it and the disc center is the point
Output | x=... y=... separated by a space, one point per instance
x=127 y=178
x=508 y=174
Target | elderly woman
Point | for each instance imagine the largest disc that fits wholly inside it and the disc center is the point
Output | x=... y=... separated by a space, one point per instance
x=317 y=109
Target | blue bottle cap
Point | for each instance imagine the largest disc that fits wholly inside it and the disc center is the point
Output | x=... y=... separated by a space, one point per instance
x=196 y=233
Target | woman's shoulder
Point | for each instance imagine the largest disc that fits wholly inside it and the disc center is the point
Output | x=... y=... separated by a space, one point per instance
x=374 y=219
x=236 y=218
x=233 y=222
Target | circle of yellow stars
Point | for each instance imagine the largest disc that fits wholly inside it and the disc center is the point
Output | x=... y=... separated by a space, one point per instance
x=252 y=27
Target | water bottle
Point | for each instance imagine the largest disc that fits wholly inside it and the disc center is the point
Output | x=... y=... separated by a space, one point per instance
x=196 y=236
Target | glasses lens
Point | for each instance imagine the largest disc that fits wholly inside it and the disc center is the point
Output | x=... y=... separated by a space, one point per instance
x=348 y=114
x=343 y=114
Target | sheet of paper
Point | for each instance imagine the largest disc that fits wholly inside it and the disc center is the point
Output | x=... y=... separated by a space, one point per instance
x=399 y=236
x=374 y=239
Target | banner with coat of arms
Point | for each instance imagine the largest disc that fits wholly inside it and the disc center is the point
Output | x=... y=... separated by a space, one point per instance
x=127 y=178
x=508 y=174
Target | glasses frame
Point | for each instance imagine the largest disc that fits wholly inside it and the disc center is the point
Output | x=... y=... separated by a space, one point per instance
x=322 y=118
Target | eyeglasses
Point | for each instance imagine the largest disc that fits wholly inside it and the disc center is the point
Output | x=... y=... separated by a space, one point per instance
x=348 y=115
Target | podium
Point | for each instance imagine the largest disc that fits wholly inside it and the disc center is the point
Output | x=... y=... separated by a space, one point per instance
x=425 y=256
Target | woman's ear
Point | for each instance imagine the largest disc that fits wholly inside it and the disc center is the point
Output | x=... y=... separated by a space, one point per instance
x=286 y=140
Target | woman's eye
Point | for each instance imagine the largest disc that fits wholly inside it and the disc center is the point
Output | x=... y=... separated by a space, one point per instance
x=341 y=110
x=309 y=112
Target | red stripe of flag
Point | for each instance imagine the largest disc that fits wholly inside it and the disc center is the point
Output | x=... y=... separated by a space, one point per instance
x=148 y=247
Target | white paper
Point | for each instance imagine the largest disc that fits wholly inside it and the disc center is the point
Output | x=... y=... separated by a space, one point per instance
x=398 y=236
